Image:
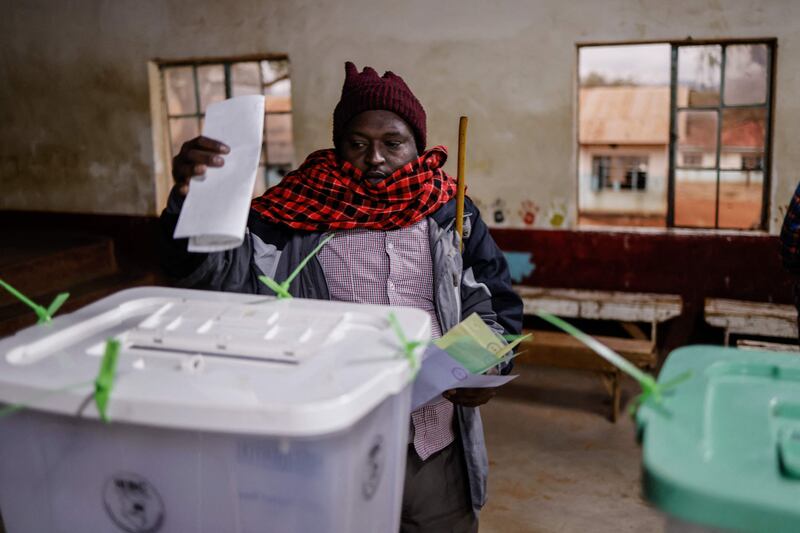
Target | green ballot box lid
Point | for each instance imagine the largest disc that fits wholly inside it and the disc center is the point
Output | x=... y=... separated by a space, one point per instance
x=722 y=449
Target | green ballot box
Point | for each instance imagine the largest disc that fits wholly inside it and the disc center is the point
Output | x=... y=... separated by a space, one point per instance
x=721 y=450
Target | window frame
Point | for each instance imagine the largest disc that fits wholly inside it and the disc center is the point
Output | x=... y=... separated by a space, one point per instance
x=602 y=179
x=227 y=64
x=771 y=44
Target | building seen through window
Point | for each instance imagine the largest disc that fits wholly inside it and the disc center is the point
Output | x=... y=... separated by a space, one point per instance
x=674 y=134
x=619 y=173
x=190 y=87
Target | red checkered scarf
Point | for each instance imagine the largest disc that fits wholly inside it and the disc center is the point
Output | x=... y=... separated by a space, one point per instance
x=328 y=193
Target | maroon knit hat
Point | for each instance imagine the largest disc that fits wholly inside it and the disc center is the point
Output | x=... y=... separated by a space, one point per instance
x=366 y=91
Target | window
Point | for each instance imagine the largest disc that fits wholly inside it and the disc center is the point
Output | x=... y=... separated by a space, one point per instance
x=189 y=87
x=601 y=170
x=685 y=125
x=692 y=159
x=619 y=173
x=750 y=162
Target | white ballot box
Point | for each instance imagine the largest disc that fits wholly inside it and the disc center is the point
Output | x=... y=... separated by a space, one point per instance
x=229 y=413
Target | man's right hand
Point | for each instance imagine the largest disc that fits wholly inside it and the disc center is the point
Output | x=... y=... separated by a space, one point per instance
x=194 y=159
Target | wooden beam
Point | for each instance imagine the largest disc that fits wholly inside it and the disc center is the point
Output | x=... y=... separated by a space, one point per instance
x=549 y=348
x=752 y=318
x=601 y=305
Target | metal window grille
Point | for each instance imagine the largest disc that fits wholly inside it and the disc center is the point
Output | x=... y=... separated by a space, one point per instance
x=189 y=86
x=718 y=111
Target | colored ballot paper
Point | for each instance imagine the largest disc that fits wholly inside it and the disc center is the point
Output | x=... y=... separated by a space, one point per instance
x=459 y=359
x=441 y=372
x=214 y=215
x=475 y=345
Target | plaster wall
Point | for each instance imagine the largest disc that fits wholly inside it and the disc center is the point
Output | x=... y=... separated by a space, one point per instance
x=75 y=117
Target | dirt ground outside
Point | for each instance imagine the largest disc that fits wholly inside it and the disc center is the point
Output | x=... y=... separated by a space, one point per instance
x=695 y=205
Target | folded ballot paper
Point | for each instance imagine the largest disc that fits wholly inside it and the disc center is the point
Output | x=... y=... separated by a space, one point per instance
x=459 y=360
x=214 y=215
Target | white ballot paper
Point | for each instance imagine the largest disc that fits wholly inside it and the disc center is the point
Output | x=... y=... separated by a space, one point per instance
x=214 y=215
x=440 y=372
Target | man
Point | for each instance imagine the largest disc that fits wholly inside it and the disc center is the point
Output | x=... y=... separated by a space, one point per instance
x=790 y=247
x=391 y=210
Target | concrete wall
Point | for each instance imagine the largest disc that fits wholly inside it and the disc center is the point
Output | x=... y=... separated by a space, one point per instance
x=75 y=125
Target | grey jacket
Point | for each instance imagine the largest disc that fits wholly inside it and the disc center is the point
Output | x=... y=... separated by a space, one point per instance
x=457 y=295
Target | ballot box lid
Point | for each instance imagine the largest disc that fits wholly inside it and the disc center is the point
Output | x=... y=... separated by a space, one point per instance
x=217 y=361
x=722 y=448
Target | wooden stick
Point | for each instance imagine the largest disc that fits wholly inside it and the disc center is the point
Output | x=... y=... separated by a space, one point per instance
x=462 y=183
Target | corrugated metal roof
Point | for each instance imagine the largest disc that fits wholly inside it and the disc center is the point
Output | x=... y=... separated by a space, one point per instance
x=631 y=115
x=748 y=133
x=624 y=115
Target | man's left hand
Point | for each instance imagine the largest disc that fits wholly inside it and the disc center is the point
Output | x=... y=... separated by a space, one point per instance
x=470 y=397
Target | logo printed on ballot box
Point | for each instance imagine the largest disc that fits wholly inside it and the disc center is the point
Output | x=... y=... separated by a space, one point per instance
x=133 y=504
x=373 y=469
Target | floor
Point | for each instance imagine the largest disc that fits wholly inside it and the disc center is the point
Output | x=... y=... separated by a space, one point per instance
x=556 y=462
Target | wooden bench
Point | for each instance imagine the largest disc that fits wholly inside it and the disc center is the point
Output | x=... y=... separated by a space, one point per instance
x=740 y=317
x=549 y=348
x=561 y=350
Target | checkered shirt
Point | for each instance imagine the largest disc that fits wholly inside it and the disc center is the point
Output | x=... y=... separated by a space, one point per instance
x=392 y=268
